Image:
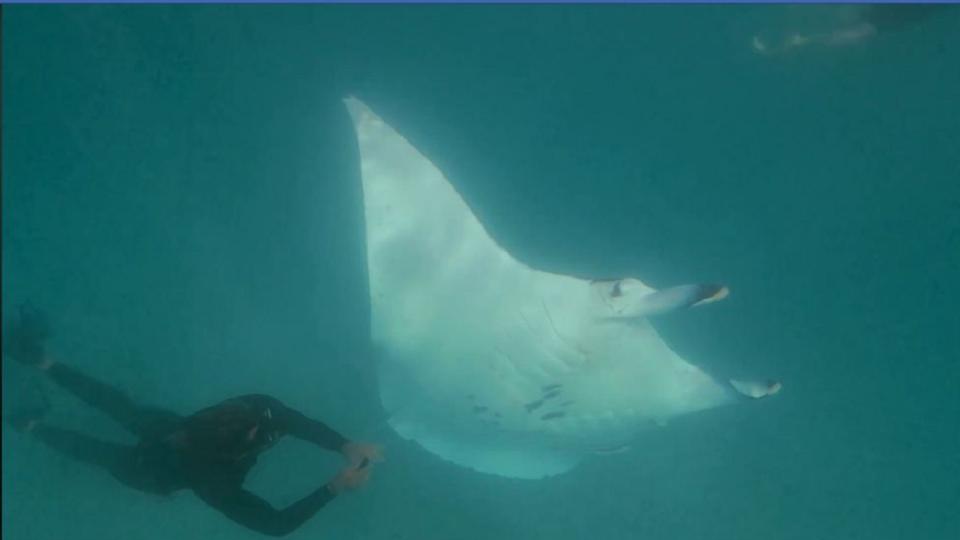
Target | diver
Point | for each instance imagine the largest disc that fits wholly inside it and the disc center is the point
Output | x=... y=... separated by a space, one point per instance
x=209 y=452
x=869 y=21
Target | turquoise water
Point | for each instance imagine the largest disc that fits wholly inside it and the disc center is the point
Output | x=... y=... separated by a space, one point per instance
x=181 y=195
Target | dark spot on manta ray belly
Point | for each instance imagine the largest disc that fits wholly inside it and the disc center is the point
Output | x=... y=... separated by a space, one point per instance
x=533 y=405
x=616 y=292
x=553 y=415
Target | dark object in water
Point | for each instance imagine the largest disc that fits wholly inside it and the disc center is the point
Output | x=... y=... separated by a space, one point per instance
x=552 y=415
x=533 y=405
x=887 y=17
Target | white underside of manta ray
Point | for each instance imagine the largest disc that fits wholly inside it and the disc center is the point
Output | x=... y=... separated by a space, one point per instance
x=496 y=366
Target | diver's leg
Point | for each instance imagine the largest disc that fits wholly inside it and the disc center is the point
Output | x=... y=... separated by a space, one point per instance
x=81 y=447
x=25 y=341
x=121 y=461
x=142 y=421
x=98 y=395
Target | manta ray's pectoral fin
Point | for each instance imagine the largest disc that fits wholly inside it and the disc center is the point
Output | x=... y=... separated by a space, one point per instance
x=630 y=298
x=754 y=389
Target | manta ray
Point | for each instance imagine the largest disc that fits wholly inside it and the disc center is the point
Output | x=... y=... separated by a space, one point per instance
x=494 y=365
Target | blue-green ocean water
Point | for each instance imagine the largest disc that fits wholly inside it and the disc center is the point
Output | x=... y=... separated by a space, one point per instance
x=181 y=195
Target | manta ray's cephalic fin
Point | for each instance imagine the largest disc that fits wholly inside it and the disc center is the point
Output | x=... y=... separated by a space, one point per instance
x=754 y=389
x=632 y=299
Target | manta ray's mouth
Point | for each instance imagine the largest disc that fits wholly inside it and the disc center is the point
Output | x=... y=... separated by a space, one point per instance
x=494 y=365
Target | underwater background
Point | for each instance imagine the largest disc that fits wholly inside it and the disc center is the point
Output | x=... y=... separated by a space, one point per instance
x=181 y=197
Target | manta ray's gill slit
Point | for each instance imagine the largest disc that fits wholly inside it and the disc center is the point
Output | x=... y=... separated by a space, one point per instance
x=546 y=365
x=502 y=363
x=527 y=323
x=567 y=360
x=546 y=311
x=532 y=372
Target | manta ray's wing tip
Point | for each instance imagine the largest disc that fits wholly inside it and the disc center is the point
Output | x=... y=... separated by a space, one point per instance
x=359 y=111
x=351 y=102
x=756 y=389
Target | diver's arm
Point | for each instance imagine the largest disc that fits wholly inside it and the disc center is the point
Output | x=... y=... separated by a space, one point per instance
x=257 y=514
x=298 y=425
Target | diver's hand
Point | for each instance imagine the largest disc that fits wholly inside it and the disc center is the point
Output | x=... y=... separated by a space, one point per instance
x=357 y=453
x=349 y=479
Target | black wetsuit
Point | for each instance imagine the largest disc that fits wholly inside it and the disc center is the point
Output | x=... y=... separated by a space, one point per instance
x=209 y=452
